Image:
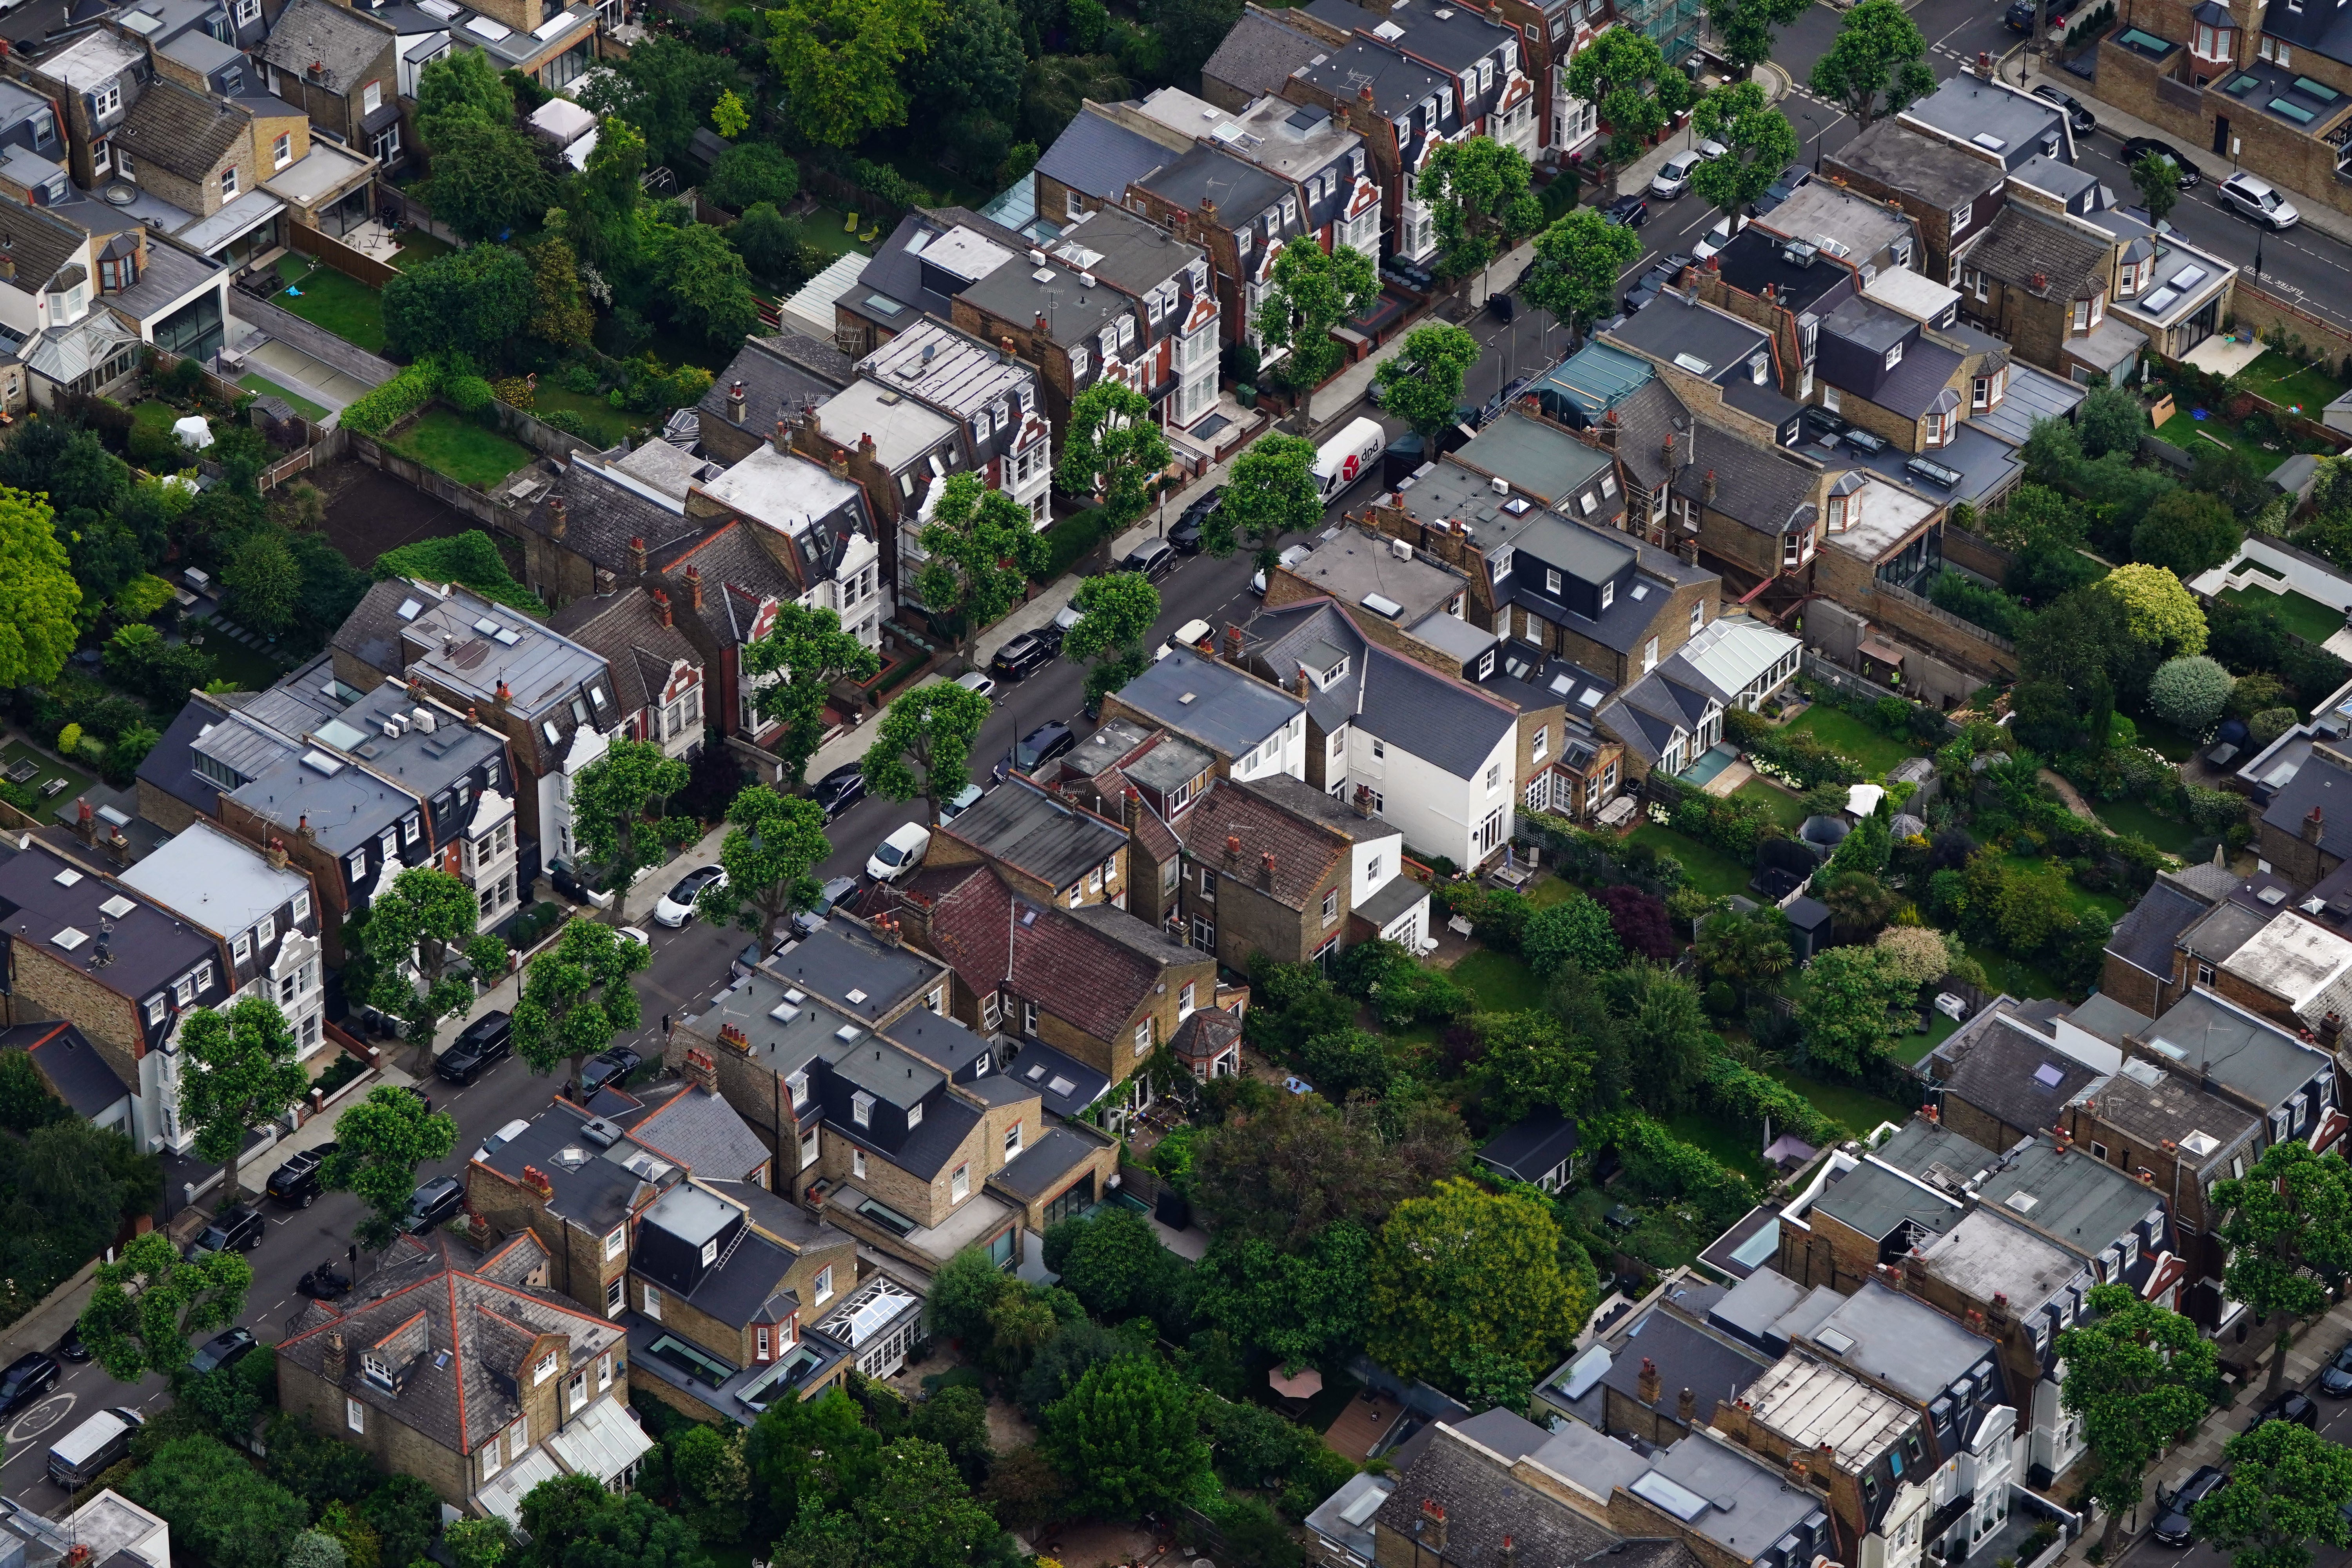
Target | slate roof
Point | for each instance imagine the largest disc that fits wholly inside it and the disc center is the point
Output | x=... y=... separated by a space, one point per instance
x=1101 y=157
x=1036 y=831
x=2206 y=1033
x=40 y=245
x=1755 y=485
x=781 y=374
x=1039 y=1169
x=1229 y=712
x=2016 y=1076
x=1646 y=418
x=2150 y=929
x=2021 y=244
x=738 y=573
x=72 y=1066
x=1242 y=191
x=1205 y=1036
x=1483 y=1504
x=440 y=1294
x=344 y=40
x=1260 y=54
x=1304 y=851
x=1531 y=1146
x=897 y=272
x=2324 y=29
x=627 y=629
x=1445 y=722
x=743 y=1288
x=1913 y=387
x=696 y=1129
x=185 y=131
x=2324 y=783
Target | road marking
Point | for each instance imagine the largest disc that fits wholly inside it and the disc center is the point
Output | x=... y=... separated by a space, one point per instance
x=42 y=1417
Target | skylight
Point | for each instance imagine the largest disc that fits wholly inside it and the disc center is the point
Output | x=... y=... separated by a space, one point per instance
x=69 y=938
x=408 y=609
x=1692 y=364
x=67 y=878
x=2049 y=1075
x=115 y=908
x=1989 y=142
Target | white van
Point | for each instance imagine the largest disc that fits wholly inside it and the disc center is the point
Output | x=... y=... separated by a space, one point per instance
x=1348 y=455
x=87 y=1451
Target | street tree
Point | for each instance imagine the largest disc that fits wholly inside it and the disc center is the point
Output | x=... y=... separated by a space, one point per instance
x=932 y=728
x=1479 y=191
x=1128 y=1435
x=1115 y=451
x=1421 y=384
x=150 y=1303
x=36 y=582
x=1626 y=78
x=2287 y=1487
x=1115 y=614
x=840 y=62
x=1876 y=64
x=1311 y=291
x=416 y=932
x=1744 y=26
x=789 y=667
x=616 y=812
x=576 y=996
x=379 y=1143
x=1759 y=140
x=771 y=841
x=237 y=1072
x=980 y=546
x=2158 y=183
x=2287 y=1228
x=1577 y=264
x=1464 y=1269
x=1270 y=490
x=2138 y=1377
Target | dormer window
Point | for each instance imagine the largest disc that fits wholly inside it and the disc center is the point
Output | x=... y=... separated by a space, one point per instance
x=376 y=1370
x=1894 y=356
x=1498 y=564
x=1551 y=580
x=1837 y=514
x=1758 y=368
x=861 y=1108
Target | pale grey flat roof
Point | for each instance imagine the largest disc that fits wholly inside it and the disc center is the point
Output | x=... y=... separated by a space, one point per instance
x=221 y=883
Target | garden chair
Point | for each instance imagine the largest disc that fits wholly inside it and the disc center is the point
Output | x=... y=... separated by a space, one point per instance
x=850 y=224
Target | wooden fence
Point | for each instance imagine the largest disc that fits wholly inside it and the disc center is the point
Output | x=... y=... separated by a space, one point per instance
x=333 y=253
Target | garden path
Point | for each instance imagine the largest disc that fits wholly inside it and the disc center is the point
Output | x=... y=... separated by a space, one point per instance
x=2074 y=799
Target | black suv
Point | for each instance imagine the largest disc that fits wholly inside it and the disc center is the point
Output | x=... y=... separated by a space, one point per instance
x=2080 y=119
x=2176 y=1523
x=2335 y=1377
x=611 y=1068
x=1627 y=211
x=1024 y=656
x=224 y=1349
x=28 y=1377
x=1187 y=536
x=239 y=1228
x=295 y=1184
x=2295 y=1407
x=434 y=1202
x=487 y=1039
x=1041 y=745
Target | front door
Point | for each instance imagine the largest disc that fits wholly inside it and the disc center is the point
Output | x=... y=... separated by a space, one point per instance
x=2222 y=135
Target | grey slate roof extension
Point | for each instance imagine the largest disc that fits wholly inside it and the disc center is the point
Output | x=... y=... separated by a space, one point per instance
x=2022 y=244
x=780 y=375
x=1759 y=486
x=1101 y=157
x=345 y=41
x=2147 y=935
x=2016 y=1076
x=1261 y=53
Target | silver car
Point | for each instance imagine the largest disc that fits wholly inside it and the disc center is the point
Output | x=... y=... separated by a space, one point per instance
x=2259 y=200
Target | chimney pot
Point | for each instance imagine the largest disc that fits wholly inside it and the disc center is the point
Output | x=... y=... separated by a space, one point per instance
x=1709 y=491
x=558 y=516
x=661 y=607
x=2312 y=825
x=1647 y=1385
x=735 y=402
x=784 y=436
x=700 y=1068
x=1686 y=1408
x=336 y=1365
x=1232 y=643
x=1232 y=844
x=638 y=556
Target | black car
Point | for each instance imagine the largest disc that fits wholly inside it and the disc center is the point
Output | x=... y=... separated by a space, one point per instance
x=28 y=1377
x=840 y=789
x=2176 y=1524
x=239 y=1228
x=831 y=893
x=295 y=1184
x=2335 y=1377
x=2078 y=118
x=224 y=1349
x=2298 y=1408
x=1024 y=656
x=1501 y=306
x=1628 y=210
x=1189 y=535
x=2139 y=147
x=1154 y=558
x=2019 y=18
x=71 y=1348
x=1793 y=178
x=434 y=1202
x=611 y=1068
x=1041 y=745
x=487 y=1040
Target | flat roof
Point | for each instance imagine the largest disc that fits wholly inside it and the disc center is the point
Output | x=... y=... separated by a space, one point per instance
x=1224 y=708
x=1985 y=1256
x=221 y=883
x=1358 y=564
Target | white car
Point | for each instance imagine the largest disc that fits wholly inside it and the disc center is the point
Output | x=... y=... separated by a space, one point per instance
x=975 y=681
x=677 y=906
x=501 y=1138
x=966 y=798
x=1191 y=635
x=897 y=855
x=1290 y=557
x=1673 y=179
x=1712 y=242
x=637 y=934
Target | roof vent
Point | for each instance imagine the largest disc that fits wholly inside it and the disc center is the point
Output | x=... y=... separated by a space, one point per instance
x=602 y=1132
x=846 y=1033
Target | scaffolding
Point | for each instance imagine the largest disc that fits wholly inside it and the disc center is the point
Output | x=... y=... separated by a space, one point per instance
x=1672 y=25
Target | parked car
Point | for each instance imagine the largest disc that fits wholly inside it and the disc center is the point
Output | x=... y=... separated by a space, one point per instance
x=1154 y=558
x=2299 y=1408
x=2139 y=147
x=237 y=1226
x=1673 y=177
x=1187 y=536
x=1291 y=556
x=2257 y=199
x=434 y=1202
x=1019 y=658
x=637 y=935
x=1052 y=633
x=483 y=1043
x=84 y=1453
x=1501 y=306
x=1627 y=211
x=1197 y=634
x=2019 y=18
x=1041 y=745
x=71 y=1347
x=807 y=921
x=975 y=681
x=2335 y=1377
x=840 y=789
x=1793 y=178
x=295 y=1183
x=677 y=906
x=28 y=1377
x=2175 y=1525
x=501 y=1138
x=611 y=1067
x=898 y=854
x=226 y=1348
x=964 y=801
x=1713 y=241
x=2079 y=119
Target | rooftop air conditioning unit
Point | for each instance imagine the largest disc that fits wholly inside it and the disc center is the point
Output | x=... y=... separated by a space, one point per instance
x=602 y=1132
x=1502 y=485
x=1400 y=549
x=1085 y=279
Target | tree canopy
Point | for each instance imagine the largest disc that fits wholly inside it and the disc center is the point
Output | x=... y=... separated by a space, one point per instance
x=772 y=841
x=2287 y=1224
x=36 y=580
x=1311 y=291
x=2137 y=1375
x=379 y=1143
x=1129 y=1435
x=238 y=1071
x=1421 y=384
x=1464 y=1270
x=151 y=1302
x=1115 y=450
x=1758 y=140
x=1577 y=263
x=616 y=810
x=789 y=667
x=1270 y=490
x=1116 y=610
x=1877 y=64
x=1623 y=74
x=1479 y=191
x=576 y=996
x=2287 y=1487
x=931 y=728
x=980 y=548
x=839 y=61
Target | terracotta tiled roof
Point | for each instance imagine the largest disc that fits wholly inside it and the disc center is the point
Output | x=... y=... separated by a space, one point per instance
x=1303 y=850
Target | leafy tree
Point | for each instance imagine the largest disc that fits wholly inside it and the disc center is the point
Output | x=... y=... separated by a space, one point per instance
x=1745 y=28
x=974 y=65
x=149 y=1303
x=731 y=116
x=1664 y=1035
x=561 y=316
x=138 y=657
x=316 y=1549
x=1915 y=955
x=713 y=1482
x=753 y=173
x=1055 y=87
x=26 y=1100
x=238 y=1071
x=1349 y=1061
x=1490 y=1380
x=1128 y=1437
x=931 y=728
x=2158 y=183
x=667 y=88
x=217 y=1504
x=603 y=211
x=1115 y=614
x=1299 y=1164
x=1876 y=64
x=1860 y=903
x=1114 y=450
x=1270 y=490
x=421 y=926
x=706 y=284
x=485 y=1542
x=791 y=666
x=1422 y=383
x=2288 y=1229
x=1759 y=138
x=770 y=245
x=966 y=1286
x=405 y=1512
x=1622 y=73
x=1640 y=919
x=982 y=547
x=576 y=996
x=2157 y=611
x=1464 y=1270
x=2287 y=1486
x=2187 y=532
x=477 y=301
x=1479 y=192
x=379 y=1143
x=772 y=842
x=588 y=1526
x=1310 y=291
x=1576 y=931
x=1113 y=1263
x=1577 y=263
x=2189 y=693
x=487 y=180
x=1303 y=1307
x=462 y=85
x=956 y=1419
x=1529 y=1061
x=2110 y=420
x=839 y=61
x=812 y=1452
x=2136 y=1376
x=1843 y=1013
x=262 y=580
x=616 y=812
x=920 y=1514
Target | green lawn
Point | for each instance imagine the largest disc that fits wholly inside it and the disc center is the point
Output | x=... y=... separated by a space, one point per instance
x=1786 y=808
x=250 y=669
x=2288 y=384
x=820 y=229
x=1547 y=890
x=1912 y=1048
x=2135 y=817
x=1501 y=982
x=2020 y=979
x=2192 y=434
x=349 y=309
x=417 y=246
x=268 y=388
x=448 y=443
x=76 y=781
x=2167 y=741
x=1730 y=1145
x=607 y=425
x=2106 y=904
x=1858 y=1108
x=1843 y=733
x=2307 y=618
x=1711 y=871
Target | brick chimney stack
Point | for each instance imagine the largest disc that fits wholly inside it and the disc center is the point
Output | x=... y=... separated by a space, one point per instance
x=866 y=445
x=661 y=608
x=839 y=466
x=699 y=1068
x=784 y=436
x=1647 y=1386
x=335 y=1361
x=1266 y=865
x=2311 y=826
x=638 y=556
x=1686 y=1408
x=1298 y=682
x=1233 y=643
x=559 y=517
x=693 y=586
x=1432 y=1513
x=1708 y=492
x=735 y=402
